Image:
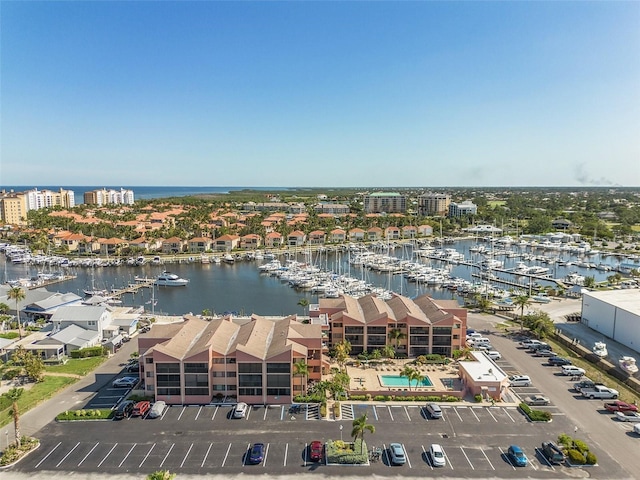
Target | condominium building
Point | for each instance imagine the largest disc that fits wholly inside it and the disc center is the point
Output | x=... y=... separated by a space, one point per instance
x=414 y=327
x=434 y=204
x=251 y=359
x=385 y=202
x=13 y=209
x=37 y=199
x=104 y=197
x=463 y=208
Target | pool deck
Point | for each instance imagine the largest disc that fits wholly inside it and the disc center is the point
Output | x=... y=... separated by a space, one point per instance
x=365 y=378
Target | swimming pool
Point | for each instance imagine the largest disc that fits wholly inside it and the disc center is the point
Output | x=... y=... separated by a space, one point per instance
x=398 y=381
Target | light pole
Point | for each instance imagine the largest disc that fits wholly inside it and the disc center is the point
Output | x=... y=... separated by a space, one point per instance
x=340 y=434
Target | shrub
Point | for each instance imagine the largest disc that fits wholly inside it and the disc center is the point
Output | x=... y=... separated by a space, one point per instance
x=478 y=398
x=97 y=351
x=382 y=398
x=450 y=398
x=591 y=459
x=323 y=411
x=346 y=452
x=12 y=453
x=565 y=440
x=575 y=457
x=360 y=398
x=580 y=446
x=68 y=415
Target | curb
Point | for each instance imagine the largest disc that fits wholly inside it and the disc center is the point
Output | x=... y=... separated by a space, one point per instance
x=23 y=456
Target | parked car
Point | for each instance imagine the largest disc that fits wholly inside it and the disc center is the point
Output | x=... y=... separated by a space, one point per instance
x=517 y=456
x=552 y=452
x=315 y=451
x=125 y=382
x=519 y=381
x=124 y=409
x=256 y=455
x=628 y=416
x=157 y=409
x=636 y=428
x=396 y=453
x=573 y=370
x=437 y=455
x=545 y=353
x=538 y=346
x=620 y=406
x=132 y=367
x=141 y=408
x=526 y=343
x=558 y=361
x=494 y=355
x=240 y=410
x=537 y=400
x=586 y=383
x=434 y=410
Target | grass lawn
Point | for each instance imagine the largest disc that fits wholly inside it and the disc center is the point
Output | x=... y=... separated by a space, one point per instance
x=77 y=366
x=39 y=392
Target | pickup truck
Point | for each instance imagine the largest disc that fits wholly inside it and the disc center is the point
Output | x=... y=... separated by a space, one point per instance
x=620 y=406
x=584 y=384
x=600 y=391
x=628 y=416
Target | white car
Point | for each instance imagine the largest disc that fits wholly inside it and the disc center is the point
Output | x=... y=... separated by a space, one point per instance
x=396 y=452
x=494 y=355
x=241 y=410
x=519 y=381
x=636 y=428
x=157 y=409
x=573 y=370
x=125 y=382
x=437 y=455
x=434 y=410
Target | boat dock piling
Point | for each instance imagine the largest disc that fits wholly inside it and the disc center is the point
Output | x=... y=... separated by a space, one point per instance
x=134 y=287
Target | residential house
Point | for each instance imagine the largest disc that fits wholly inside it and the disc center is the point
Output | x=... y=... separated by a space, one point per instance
x=409 y=231
x=374 y=234
x=296 y=238
x=199 y=245
x=111 y=246
x=337 y=235
x=356 y=235
x=273 y=240
x=173 y=245
x=392 y=233
x=317 y=237
x=226 y=243
x=425 y=230
x=251 y=241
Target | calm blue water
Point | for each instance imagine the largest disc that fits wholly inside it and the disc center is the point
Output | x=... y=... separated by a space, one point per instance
x=140 y=192
x=241 y=288
x=398 y=381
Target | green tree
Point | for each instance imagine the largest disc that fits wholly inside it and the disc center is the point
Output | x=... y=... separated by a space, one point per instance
x=395 y=335
x=342 y=351
x=17 y=294
x=14 y=395
x=304 y=303
x=590 y=281
x=161 y=475
x=4 y=308
x=408 y=372
x=360 y=426
x=388 y=351
x=522 y=301
x=301 y=369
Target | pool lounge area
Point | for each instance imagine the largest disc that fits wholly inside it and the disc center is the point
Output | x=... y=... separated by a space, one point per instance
x=396 y=381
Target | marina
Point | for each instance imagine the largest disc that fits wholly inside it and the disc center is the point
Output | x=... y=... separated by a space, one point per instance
x=274 y=282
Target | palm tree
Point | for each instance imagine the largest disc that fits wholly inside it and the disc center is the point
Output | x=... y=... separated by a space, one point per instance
x=302 y=369
x=360 y=425
x=4 y=308
x=395 y=334
x=161 y=475
x=408 y=372
x=17 y=294
x=388 y=351
x=342 y=350
x=14 y=394
x=522 y=301
x=304 y=303
x=417 y=377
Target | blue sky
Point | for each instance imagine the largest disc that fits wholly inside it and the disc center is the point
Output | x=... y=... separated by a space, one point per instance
x=320 y=93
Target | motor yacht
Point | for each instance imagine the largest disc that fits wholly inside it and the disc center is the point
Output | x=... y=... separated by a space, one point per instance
x=600 y=349
x=167 y=279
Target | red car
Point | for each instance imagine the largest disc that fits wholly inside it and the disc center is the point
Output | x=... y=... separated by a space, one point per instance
x=315 y=451
x=141 y=409
x=620 y=406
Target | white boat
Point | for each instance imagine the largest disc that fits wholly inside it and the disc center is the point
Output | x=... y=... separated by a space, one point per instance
x=628 y=364
x=600 y=349
x=167 y=279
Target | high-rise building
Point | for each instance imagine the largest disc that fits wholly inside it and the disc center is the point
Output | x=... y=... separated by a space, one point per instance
x=104 y=197
x=385 y=202
x=434 y=204
x=463 y=208
x=13 y=208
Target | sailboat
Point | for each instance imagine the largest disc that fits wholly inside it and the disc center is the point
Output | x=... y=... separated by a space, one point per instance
x=93 y=291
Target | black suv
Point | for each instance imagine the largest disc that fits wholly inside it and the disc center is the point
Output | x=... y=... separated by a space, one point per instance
x=124 y=409
x=553 y=453
x=559 y=361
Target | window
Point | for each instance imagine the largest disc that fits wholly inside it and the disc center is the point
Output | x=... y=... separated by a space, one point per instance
x=278 y=368
x=196 y=368
x=218 y=360
x=169 y=391
x=149 y=374
x=196 y=391
x=148 y=360
x=250 y=380
x=164 y=380
x=167 y=367
x=150 y=387
x=249 y=368
x=250 y=391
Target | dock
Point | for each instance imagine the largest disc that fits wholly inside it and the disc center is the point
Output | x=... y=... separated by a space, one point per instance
x=134 y=287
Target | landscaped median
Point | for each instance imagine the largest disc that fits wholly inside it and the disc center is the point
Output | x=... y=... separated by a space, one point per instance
x=534 y=415
x=13 y=452
x=347 y=453
x=79 y=415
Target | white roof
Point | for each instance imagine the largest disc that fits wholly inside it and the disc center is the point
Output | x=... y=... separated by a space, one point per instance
x=626 y=299
x=78 y=313
x=483 y=369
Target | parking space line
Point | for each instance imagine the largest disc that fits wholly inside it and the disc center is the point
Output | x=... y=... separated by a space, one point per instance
x=85 y=457
x=375 y=413
x=407 y=412
x=248 y=412
x=266 y=409
x=266 y=452
x=423 y=413
x=304 y=457
x=485 y=456
x=456 y=410
x=507 y=457
x=215 y=411
x=128 y=453
x=426 y=456
x=537 y=450
x=282 y=413
x=465 y=456
x=406 y=455
x=47 y=456
x=512 y=419
x=226 y=455
x=286 y=451
x=390 y=414
x=183 y=409
x=164 y=413
x=494 y=418
x=246 y=455
x=384 y=453
x=105 y=457
x=165 y=457
x=65 y=457
x=474 y=414
x=186 y=456
x=446 y=457
x=206 y=455
x=147 y=455
x=198 y=414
